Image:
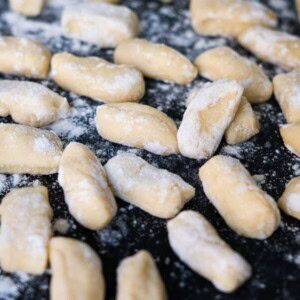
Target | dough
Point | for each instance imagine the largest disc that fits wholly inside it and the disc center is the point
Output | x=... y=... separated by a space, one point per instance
x=156 y=191
x=31 y=103
x=198 y=245
x=87 y=193
x=290 y=134
x=156 y=61
x=30 y=8
x=25 y=230
x=97 y=78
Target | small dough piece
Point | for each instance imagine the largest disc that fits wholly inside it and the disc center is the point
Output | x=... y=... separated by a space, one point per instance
x=97 y=78
x=29 y=8
x=290 y=134
x=198 y=244
x=139 y=279
x=25 y=230
x=137 y=125
x=76 y=271
x=276 y=47
x=89 y=198
x=31 y=103
x=224 y=63
x=246 y=208
x=156 y=61
x=103 y=24
x=287 y=93
x=244 y=125
x=156 y=191
x=229 y=17
x=25 y=149
x=211 y=110
x=23 y=56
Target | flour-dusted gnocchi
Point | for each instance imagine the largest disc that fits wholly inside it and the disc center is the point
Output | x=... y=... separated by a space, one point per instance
x=25 y=149
x=156 y=191
x=287 y=93
x=30 y=103
x=290 y=134
x=276 y=47
x=25 y=230
x=137 y=125
x=229 y=17
x=103 y=24
x=244 y=125
x=97 y=78
x=30 y=8
x=211 y=110
x=156 y=61
x=76 y=271
x=244 y=206
x=198 y=244
x=84 y=181
x=225 y=63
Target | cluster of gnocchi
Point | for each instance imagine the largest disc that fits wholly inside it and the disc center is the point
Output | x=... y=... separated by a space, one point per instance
x=219 y=109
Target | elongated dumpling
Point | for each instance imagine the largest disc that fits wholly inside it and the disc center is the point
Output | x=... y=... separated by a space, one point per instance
x=30 y=8
x=25 y=230
x=244 y=206
x=198 y=244
x=224 y=63
x=211 y=110
x=156 y=61
x=87 y=193
x=290 y=134
x=30 y=103
x=76 y=271
x=25 y=149
x=156 y=191
x=103 y=24
x=97 y=78
x=276 y=47
x=139 y=126
x=23 y=56
x=139 y=279
x=229 y=17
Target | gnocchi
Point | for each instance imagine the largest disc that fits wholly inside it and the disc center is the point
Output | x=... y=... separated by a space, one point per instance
x=290 y=135
x=30 y=8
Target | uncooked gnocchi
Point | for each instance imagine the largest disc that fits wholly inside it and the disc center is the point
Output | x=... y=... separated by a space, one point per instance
x=30 y=103
x=211 y=110
x=25 y=230
x=103 y=24
x=156 y=61
x=139 y=279
x=137 y=125
x=97 y=78
x=290 y=134
x=156 y=191
x=25 y=149
x=198 y=245
x=246 y=208
x=87 y=193
x=30 y=8
x=225 y=63
x=76 y=271
x=229 y=17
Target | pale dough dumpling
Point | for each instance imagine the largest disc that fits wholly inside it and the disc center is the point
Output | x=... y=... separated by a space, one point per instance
x=76 y=271
x=290 y=134
x=23 y=56
x=139 y=279
x=198 y=245
x=25 y=149
x=137 y=125
x=211 y=110
x=97 y=78
x=229 y=17
x=245 y=207
x=87 y=193
x=156 y=191
x=156 y=61
x=287 y=93
x=276 y=47
x=31 y=103
x=224 y=63
x=25 y=230
x=30 y=8
x=103 y=24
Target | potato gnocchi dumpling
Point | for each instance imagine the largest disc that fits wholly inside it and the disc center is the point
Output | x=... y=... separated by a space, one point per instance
x=290 y=134
x=30 y=8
